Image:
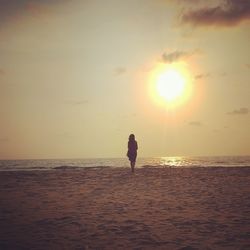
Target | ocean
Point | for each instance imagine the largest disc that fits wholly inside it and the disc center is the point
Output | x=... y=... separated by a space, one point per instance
x=174 y=162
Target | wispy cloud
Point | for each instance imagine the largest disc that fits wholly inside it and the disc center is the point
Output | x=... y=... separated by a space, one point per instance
x=241 y=111
x=222 y=74
x=208 y=75
x=195 y=123
x=120 y=71
x=175 y=56
x=201 y=76
x=226 y=13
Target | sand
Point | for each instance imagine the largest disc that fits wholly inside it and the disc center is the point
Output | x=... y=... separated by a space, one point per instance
x=110 y=208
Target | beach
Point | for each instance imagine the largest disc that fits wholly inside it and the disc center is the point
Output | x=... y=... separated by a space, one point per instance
x=111 y=208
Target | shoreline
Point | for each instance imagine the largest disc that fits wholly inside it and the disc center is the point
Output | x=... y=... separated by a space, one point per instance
x=110 y=208
x=77 y=168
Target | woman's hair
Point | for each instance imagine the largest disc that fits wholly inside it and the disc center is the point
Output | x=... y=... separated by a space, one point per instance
x=132 y=137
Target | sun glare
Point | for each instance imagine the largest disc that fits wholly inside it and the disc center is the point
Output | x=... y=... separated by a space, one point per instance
x=170 y=85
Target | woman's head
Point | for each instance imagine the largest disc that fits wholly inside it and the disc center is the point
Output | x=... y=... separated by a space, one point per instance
x=132 y=137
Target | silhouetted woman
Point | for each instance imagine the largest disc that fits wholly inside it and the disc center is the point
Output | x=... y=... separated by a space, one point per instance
x=132 y=151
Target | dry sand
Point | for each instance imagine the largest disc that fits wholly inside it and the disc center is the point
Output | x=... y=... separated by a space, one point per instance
x=108 y=208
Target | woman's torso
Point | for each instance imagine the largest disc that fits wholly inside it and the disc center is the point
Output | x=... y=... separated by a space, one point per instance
x=132 y=146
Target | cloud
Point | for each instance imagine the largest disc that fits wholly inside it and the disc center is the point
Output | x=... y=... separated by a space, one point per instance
x=241 y=111
x=222 y=74
x=207 y=75
x=195 y=123
x=227 y=13
x=120 y=70
x=188 y=2
x=175 y=56
x=15 y=9
x=201 y=76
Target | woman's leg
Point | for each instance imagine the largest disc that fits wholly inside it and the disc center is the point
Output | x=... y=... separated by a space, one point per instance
x=133 y=166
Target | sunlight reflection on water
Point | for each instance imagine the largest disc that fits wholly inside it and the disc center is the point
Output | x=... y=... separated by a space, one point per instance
x=172 y=161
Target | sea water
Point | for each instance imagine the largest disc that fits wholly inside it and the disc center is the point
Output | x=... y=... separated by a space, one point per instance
x=174 y=162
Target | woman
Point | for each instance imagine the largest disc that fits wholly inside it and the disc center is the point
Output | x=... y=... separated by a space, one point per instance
x=132 y=151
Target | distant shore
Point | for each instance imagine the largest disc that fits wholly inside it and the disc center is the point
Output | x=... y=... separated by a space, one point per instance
x=110 y=208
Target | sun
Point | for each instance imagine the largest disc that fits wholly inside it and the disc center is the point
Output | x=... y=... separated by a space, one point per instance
x=170 y=84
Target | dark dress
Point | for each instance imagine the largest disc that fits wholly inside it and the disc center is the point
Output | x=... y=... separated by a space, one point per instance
x=132 y=150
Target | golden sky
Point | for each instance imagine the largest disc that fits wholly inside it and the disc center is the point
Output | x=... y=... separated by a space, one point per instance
x=77 y=77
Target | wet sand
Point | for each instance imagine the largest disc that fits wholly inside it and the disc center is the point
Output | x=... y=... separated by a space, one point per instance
x=110 y=208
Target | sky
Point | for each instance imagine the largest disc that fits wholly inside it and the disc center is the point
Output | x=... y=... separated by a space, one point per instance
x=77 y=77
